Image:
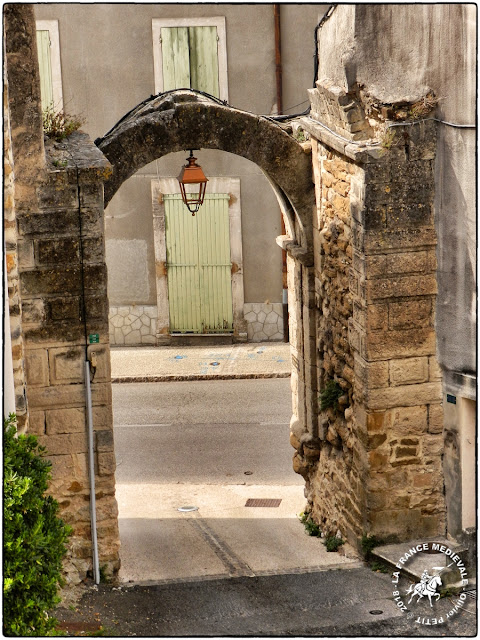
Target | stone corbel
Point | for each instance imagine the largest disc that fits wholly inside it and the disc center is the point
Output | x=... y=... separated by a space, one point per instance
x=304 y=256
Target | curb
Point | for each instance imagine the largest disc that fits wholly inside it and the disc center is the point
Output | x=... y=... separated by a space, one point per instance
x=194 y=376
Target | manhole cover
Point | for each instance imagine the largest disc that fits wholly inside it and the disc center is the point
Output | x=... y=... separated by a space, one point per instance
x=187 y=508
x=263 y=502
x=376 y=612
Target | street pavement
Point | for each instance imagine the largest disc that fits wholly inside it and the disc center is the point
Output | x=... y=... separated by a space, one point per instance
x=226 y=570
x=212 y=445
x=156 y=364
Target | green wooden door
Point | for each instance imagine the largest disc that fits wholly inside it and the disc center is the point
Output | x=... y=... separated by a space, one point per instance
x=190 y=58
x=45 y=68
x=199 y=266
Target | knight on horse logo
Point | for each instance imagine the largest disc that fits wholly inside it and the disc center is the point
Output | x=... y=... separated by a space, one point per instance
x=426 y=587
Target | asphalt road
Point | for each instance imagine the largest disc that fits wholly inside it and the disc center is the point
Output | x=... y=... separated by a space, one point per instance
x=213 y=445
x=204 y=432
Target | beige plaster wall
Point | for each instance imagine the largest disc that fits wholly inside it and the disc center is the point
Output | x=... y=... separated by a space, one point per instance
x=107 y=68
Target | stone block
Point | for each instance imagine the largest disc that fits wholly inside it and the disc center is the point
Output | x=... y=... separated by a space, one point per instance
x=25 y=253
x=410 y=313
x=65 y=421
x=64 y=308
x=377 y=316
x=433 y=446
x=434 y=369
x=65 y=443
x=383 y=345
x=52 y=280
x=106 y=463
x=377 y=422
x=104 y=440
x=67 y=365
x=56 y=251
x=37 y=373
x=408 y=371
x=374 y=375
x=396 y=287
x=92 y=221
x=411 y=262
x=62 y=466
x=379 y=241
x=33 y=310
x=376 y=266
x=54 y=397
x=435 y=418
x=52 y=197
x=413 y=213
x=64 y=222
x=91 y=195
x=36 y=423
x=404 y=524
x=410 y=420
x=425 y=480
x=404 y=396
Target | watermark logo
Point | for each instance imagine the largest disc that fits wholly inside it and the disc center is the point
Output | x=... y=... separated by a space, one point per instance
x=429 y=585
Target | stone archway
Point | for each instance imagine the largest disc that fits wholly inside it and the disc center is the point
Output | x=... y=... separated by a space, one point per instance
x=180 y=120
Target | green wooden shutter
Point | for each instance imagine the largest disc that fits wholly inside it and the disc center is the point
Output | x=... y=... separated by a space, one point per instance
x=215 y=264
x=45 y=67
x=190 y=58
x=175 y=59
x=199 y=266
x=204 y=59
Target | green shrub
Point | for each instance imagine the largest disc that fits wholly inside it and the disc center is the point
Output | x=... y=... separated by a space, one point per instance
x=368 y=545
x=33 y=538
x=333 y=543
x=311 y=527
x=329 y=395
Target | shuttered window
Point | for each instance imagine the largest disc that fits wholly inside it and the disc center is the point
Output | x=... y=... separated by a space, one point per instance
x=190 y=55
x=48 y=49
x=190 y=58
x=45 y=67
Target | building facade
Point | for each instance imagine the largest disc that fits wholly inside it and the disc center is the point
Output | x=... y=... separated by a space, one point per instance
x=102 y=60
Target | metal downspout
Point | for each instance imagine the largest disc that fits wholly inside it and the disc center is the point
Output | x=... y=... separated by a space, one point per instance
x=279 y=88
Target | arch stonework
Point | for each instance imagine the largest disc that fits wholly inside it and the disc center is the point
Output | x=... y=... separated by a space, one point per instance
x=181 y=120
x=362 y=289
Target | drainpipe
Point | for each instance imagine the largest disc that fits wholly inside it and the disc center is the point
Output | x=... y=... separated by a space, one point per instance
x=279 y=88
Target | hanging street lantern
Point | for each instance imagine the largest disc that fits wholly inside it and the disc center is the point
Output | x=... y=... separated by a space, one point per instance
x=191 y=175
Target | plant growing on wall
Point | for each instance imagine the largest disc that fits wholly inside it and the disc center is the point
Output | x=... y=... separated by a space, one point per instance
x=33 y=536
x=333 y=543
x=59 y=125
x=329 y=395
x=311 y=527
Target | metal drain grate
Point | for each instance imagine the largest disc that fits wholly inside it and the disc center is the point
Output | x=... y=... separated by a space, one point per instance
x=263 y=502
x=471 y=594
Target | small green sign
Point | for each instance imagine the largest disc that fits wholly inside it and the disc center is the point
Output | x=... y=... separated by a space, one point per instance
x=94 y=338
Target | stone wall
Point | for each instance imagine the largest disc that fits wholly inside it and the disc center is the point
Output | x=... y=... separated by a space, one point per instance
x=23 y=165
x=375 y=466
x=63 y=287
x=136 y=324
x=133 y=325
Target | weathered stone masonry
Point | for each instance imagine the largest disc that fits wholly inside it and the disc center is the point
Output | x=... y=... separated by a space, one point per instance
x=375 y=465
x=63 y=288
x=57 y=294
